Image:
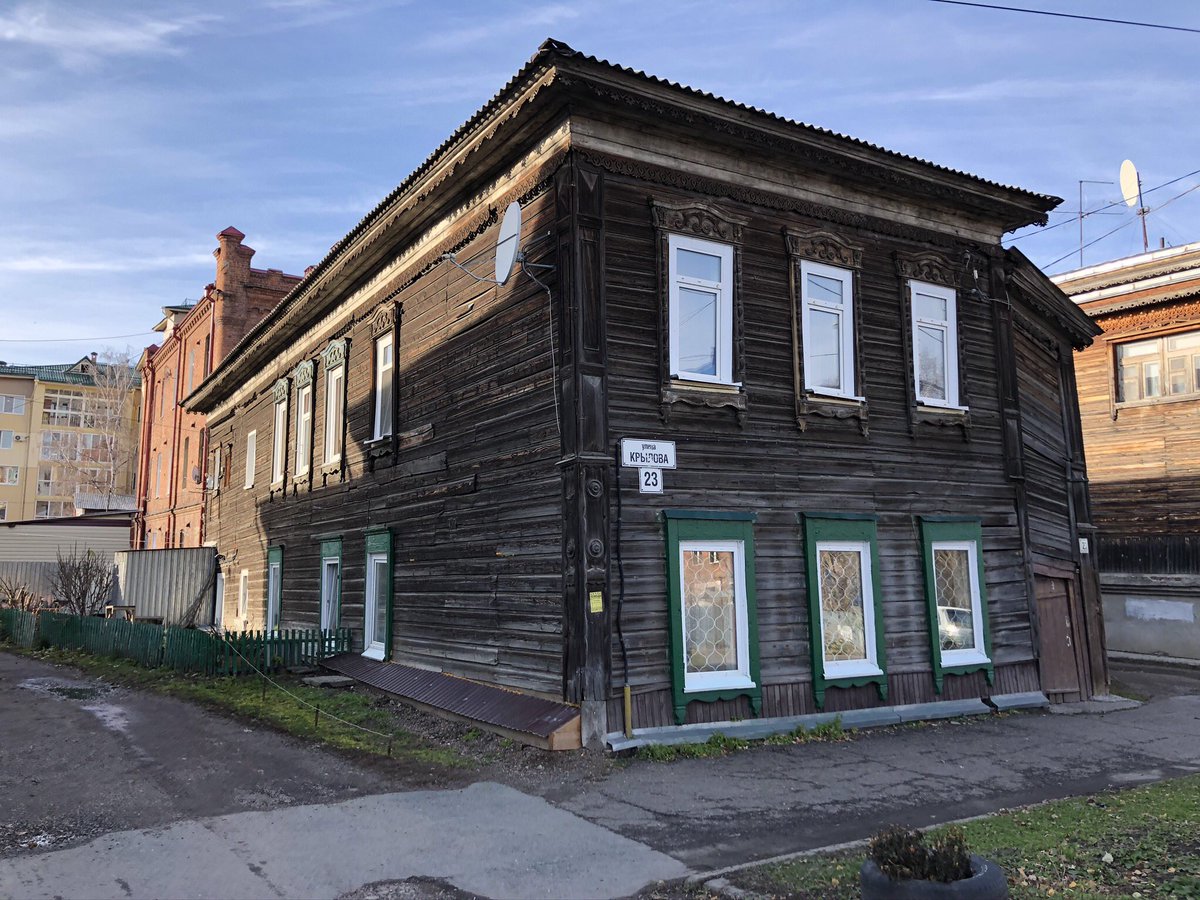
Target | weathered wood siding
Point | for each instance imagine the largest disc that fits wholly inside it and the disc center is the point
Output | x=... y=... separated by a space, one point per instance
x=472 y=494
x=1143 y=459
x=897 y=471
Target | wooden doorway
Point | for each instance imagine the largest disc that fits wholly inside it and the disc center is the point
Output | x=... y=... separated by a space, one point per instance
x=1062 y=657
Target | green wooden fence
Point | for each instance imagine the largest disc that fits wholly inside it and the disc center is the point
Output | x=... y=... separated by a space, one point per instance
x=181 y=649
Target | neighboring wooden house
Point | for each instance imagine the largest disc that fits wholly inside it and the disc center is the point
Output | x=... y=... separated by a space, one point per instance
x=879 y=489
x=1139 y=398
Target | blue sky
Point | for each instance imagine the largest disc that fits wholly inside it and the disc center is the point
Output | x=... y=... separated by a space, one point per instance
x=132 y=132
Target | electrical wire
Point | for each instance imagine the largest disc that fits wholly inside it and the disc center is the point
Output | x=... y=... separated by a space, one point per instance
x=111 y=337
x=1100 y=209
x=1089 y=243
x=553 y=356
x=1063 y=15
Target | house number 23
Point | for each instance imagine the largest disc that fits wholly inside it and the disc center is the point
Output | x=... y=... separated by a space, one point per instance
x=650 y=481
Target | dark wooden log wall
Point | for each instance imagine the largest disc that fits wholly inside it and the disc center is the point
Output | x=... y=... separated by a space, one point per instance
x=897 y=471
x=1143 y=459
x=472 y=493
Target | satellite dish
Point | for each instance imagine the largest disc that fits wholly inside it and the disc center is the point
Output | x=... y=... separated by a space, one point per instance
x=1131 y=186
x=509 y=242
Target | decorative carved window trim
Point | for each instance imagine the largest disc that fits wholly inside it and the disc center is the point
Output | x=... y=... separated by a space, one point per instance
x=708 y=222
x=818 y=245
x=280 y=390
x=934 y=268
x=334 y=354
x=384 y=319
x=303 y=373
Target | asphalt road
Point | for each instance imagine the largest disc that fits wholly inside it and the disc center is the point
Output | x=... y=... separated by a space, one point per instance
x=109 y=792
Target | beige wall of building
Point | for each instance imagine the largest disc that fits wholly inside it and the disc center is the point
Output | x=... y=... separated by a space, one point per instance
x=55 y=442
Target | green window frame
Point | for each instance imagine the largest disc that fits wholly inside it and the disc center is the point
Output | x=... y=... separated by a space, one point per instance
x=965 y=535
x=717 y=532
x=274 y=558
x=840 y=532
x=331 y=551
x=379 y=542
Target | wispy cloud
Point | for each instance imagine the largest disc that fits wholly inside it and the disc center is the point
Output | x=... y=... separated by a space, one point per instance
x=60 y=265
x=78 y=37
x=458 y=38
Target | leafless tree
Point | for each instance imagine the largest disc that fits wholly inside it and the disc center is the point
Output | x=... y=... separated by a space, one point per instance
x=83 y=581
x=97 y=461
x=16 y=594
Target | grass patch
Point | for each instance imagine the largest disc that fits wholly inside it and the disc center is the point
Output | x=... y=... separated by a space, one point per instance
x=722 y=745
x=244 y=697
x=1138 y=842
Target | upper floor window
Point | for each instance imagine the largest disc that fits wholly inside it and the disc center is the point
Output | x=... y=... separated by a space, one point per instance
x=1166 y=366
x=6 y=440
x=334 y=358
x=828 y=329
x=935 y=344
x=12 y=403
x=384 y=365
x=3 y=511
x=700 y=330
x=251 y=450
x=10 y=474
x=304 y=413
x=279 y=436
x=63 y=408
x=191 y=373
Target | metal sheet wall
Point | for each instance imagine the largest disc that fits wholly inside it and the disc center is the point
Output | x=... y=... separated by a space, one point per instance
x=163 y=584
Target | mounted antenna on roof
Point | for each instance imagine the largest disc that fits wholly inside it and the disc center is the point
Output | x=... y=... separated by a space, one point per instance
x=1131 y=190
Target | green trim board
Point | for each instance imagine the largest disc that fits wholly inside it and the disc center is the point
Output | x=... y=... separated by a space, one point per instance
x=275 y=555
x=379 y=540
x=696 y=525
x=821 y=527
x=329 y=549
x=964 y=530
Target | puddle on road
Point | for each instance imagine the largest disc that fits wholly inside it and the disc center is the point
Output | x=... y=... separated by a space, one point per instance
x=63 y=688
x=113 y=717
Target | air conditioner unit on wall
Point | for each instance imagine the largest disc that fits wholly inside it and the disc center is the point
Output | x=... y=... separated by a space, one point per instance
x=20 y=437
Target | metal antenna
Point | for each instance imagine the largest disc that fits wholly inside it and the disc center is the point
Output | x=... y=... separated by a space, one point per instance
x=1082 y=182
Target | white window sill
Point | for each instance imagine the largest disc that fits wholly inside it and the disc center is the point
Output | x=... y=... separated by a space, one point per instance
x=952 y=658
x=834 y=671
x=830 y=396
x=926 y=406
x=730 y=681
x=703 y=384
x=374 y=653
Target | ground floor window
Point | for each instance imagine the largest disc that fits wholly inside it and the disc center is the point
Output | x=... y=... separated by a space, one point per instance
x=956 y=594
x=331 y=584
x=377 y=615
x=274 y=587
x=842 y=568
x=710 y=573
x=219 y=601
x=243 y=610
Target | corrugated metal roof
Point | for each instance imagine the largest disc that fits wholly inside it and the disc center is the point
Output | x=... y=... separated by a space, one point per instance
x=60 y=373
x=481 y=702
x=543 y=59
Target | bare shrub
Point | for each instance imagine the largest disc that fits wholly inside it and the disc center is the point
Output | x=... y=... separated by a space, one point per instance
x=83 y=582
x=16 y=594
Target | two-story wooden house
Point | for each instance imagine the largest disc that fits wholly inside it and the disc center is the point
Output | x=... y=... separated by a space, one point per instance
x=878 y=493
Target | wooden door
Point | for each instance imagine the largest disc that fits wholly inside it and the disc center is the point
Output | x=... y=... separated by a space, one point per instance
x=1059 y=637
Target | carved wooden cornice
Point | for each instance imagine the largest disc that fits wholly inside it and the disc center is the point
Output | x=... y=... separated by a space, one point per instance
x=303 y=373
x=933 y=268
x=334 y=354
x=704 y=220
x=279 y=391
x=823 y=246
x=1135 y=321
x=698 y=184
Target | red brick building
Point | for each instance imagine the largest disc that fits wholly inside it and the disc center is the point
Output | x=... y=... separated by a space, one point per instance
x=172 y=470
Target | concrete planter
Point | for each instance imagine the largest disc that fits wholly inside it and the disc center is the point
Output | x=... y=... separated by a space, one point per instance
x=987 y=882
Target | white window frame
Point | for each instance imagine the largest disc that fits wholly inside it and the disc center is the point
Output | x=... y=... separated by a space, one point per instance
x=251 y=452
x=219 y=601
x=384 y=401
x=335 y=386
x=6 y=439
x=847 y=367
x=12 y=404
x=949 y=327
x=304 y=416
x=724 y=292
x=694 y=682
x=374 y=645
x=851 y=668
x=279 y=441
x=977 y=654
x=10 y=475
x=331 y=577
x=243 y=610
x=274 y=594
x=3 y=511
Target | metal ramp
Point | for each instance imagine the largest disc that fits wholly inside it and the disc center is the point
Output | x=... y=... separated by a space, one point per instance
x=548 y=724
